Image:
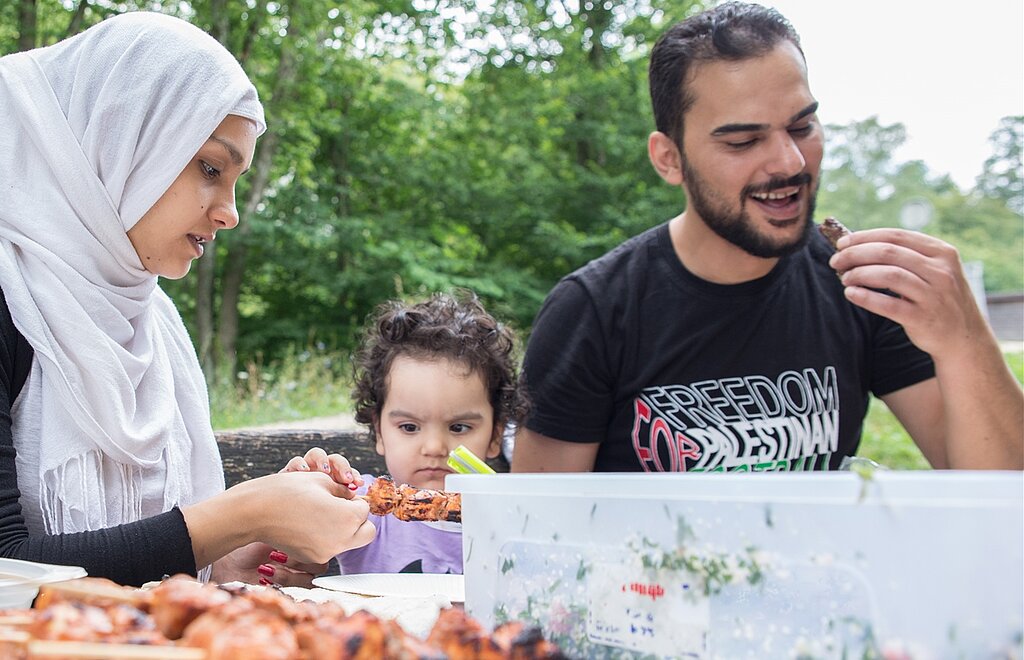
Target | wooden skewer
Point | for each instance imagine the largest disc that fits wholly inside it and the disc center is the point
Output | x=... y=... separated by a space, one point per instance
x=15 y=620
x=12 y=641
x=89 y=590
x=99 y=651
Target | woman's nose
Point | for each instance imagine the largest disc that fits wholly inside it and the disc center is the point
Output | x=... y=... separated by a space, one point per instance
x=225 y=213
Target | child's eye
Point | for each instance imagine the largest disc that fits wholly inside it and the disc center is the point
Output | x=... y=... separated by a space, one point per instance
x=460 y=428
x=408 y=427
x=209 y=171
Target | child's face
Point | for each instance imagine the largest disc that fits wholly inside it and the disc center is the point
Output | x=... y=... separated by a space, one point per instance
x=431 y=408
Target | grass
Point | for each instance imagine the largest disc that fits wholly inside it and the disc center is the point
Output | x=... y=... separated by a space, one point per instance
x=305 y=384
x=884 y=440
x=312 y=383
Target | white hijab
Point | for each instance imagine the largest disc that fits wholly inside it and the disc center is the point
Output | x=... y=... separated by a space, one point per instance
x=94 y=129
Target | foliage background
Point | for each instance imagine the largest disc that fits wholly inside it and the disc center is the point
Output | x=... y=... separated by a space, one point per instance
x=421 y=145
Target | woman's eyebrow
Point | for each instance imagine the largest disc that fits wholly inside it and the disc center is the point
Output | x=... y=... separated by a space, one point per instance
x=236 y=155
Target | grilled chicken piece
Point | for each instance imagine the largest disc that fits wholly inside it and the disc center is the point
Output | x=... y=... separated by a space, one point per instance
x=461 y=637
x=409 y=503
x=214 y=623
x=179 y=600
x=81 y=622
x=833 y=230
x=522 y=642
x=240 y=630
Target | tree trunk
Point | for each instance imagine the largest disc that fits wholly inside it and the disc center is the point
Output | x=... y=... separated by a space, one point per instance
x=206 y=267
x=234 y=267
x=27 y=25
x=75 y=25
x=597 y=19
x=205 y=274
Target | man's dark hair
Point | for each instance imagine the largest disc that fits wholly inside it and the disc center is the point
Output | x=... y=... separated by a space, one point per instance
x=731 y=31
x=443 y=327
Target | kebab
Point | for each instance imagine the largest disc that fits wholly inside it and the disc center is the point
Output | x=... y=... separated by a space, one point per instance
x=410 y=503
x=181 y=619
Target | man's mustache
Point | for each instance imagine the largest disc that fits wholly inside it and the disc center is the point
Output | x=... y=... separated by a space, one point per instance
x=777 y=183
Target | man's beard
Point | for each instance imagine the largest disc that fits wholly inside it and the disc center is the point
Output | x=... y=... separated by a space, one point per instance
x=737 y=227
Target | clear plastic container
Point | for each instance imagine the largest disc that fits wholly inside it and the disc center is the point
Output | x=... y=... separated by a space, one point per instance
x=815 y=565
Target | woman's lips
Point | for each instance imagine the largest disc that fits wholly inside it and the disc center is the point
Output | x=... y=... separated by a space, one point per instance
x=198 y=243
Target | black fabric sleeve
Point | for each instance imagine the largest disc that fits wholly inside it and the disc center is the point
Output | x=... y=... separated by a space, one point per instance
x=129 y=554
x=565 y=368
x=895 y=361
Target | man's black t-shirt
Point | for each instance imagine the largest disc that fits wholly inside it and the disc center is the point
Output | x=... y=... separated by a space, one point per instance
x=673 y=373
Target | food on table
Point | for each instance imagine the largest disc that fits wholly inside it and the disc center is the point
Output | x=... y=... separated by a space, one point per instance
x=410 y=503
x=833 y=230
x=460 y=636
x=181 y=619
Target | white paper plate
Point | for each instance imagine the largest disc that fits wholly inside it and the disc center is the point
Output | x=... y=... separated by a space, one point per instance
x=20 y=580
x=409 y=585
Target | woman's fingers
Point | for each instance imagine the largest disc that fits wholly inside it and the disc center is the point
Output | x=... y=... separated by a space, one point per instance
x=343 y=472
x=296 y=464
x=284 y=576
x=316 y=459
x=276 y=558
x=336 y=465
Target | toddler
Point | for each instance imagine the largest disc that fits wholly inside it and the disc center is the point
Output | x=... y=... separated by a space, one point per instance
x=429 y=377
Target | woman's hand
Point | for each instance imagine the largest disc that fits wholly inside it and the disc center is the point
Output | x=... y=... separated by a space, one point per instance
x=262 y=564
x=336 y=465
x=306 y=515
x=282 y=571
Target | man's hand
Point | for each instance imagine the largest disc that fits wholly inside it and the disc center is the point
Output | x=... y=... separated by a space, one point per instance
x=933 y=300
x=972 y=416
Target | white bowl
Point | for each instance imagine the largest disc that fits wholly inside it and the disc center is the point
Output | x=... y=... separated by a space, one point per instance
x=20 y=580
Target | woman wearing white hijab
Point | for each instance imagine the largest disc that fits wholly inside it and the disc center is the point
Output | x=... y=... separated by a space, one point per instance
x=119 y=153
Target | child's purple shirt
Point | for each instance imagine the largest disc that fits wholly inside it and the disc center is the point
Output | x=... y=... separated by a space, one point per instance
x=405 y=547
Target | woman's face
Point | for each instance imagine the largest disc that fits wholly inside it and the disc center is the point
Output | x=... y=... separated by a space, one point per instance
x=199 y=203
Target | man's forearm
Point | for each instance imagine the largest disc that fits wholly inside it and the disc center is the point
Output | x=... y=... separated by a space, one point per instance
x=984 y=408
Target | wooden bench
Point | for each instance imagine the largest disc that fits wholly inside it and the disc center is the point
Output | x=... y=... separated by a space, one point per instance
x=250 y=454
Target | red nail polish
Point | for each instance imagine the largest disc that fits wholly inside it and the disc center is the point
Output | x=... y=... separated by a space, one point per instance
x=265 y=569
x=265 y=582
x=278 y=556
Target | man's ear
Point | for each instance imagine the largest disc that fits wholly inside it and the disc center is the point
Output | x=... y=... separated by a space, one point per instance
x=665 y=158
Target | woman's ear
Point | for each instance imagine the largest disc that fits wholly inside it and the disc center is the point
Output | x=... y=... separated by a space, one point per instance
x=665 y=158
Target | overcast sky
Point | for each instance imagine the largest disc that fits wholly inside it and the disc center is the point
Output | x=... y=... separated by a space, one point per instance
x=947 y=70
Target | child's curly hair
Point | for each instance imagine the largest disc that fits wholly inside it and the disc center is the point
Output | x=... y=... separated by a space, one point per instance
x=445 y=326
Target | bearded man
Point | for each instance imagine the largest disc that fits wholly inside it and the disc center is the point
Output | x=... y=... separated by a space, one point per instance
x=723 y=340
